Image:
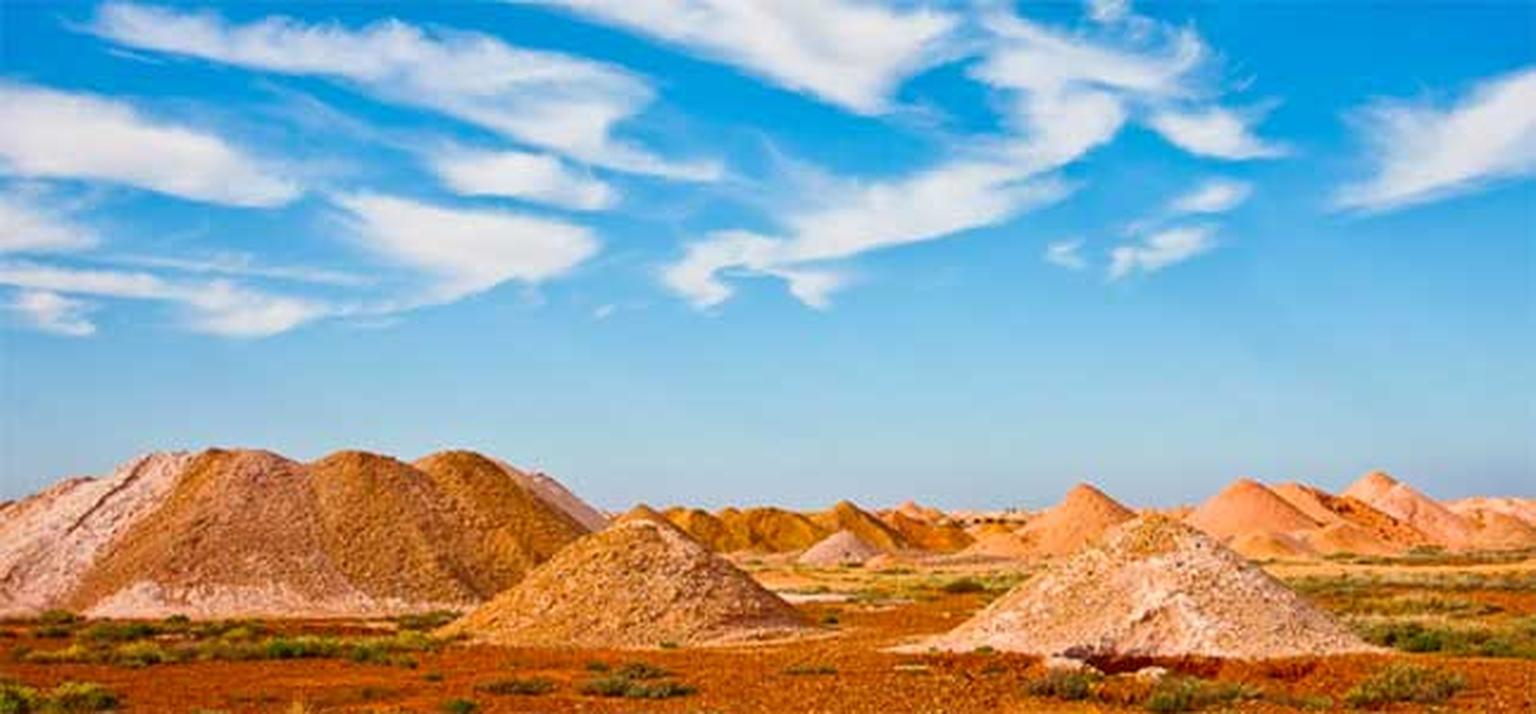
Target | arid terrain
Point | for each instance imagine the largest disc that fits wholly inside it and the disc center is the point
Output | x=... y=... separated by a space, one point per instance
x=244 y=581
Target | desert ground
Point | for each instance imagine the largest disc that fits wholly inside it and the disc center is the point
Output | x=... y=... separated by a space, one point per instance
x=457 y=583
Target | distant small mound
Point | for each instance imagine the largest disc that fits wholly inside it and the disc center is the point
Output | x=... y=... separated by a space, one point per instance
x=1522 y=508
x=760 y=530
x=1005 y=545
x=1248 y=507
x=1401 y=501
x=915 y=510
x=923 y=534
x=1496 y=530
x=636 y=584
x=1083 y=516
x=1152 y=587
x=840 y=548
x=847 y=516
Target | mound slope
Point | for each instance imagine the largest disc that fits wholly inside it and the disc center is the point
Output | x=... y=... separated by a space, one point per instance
x=1405 y=503
x=1081 y=517
x=636 y=584
x=1153 y=587
x=1248 y=507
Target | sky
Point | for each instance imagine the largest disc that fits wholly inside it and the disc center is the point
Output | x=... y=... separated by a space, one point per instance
x=738 y=252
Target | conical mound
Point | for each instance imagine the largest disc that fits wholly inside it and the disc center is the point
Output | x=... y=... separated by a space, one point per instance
x=847 y=516
x=1247 y=506
x=761 y=530
x=1496 y=530
x=1153 y=587
x=1401 y=501
x=244 y=533
x=840 y=548
x=1349 y=524
x=1083 y=516
x=636 y=584
x=932 y=536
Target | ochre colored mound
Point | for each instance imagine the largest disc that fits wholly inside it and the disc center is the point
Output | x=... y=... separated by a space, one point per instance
x=1005 y=545
x=635 y=584
x=761 y=530
x=847 y=516
x=1153 y=587
x=240 y=533
x=1246 y=506
x=923 y=534
x=1082 y=517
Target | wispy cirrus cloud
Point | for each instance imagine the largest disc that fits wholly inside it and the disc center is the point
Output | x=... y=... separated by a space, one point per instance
x=1423 y=153
x=218 y=307
x=852 y=217
x=1160 y=250
x=52 y=312
x=1066 y=254
x=47 y=133
x=464 y=251
x=1216 y=132
x=546 y=100
x=522 y=175
x=28 y=224
x=851 y=53
x=1217 y=195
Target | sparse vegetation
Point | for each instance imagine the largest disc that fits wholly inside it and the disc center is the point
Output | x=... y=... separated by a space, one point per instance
x=1188 y=694
x=1068 y=686
x=636 y=680
x=962 y=586
x=67 y=698
x=232 y=645
x=1515 y=638
x=460 y=706
x=532 y=686
x=426 y=620
x=1404 y=683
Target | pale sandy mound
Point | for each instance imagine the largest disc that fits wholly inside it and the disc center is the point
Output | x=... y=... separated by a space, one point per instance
x=1006 y=545
x=1248 y=507
x=556 y=494
x=1495 y=530
x=931 y=536
x=1268 y=545
x=1401 y=501
x=1309 y=500
x=635 y=584
x=241 y=533
x=50 y=540
x=847 y=516
x=1153 y=587
x=1522 y=508
x=840 y=548
x=1084 y=515
x=1341 y=538
x=913 y=509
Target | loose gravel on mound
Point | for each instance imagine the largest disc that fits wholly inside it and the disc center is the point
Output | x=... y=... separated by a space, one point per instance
x=840 y=548
x=1158 y=588
x=637 y=584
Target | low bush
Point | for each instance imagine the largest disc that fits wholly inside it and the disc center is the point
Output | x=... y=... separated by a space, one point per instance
x=963 y=586
x=1069 y=686
x=1514 y=639
x=426 y=620
x=1188 y=694
x=67 y=698
x=532 y=686
x=1404 y=683
x=460 y=706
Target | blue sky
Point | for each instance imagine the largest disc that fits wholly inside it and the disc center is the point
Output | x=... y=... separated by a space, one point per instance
x=735 y=252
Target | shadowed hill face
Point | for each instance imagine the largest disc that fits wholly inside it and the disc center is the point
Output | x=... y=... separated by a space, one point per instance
x=230 y=533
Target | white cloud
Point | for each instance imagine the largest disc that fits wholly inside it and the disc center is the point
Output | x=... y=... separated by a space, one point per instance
x=544 y=99
x=242 y=265
x=1216 y=132
x=1423 y=153
x=523 y=175
x=28 y=226
x=52 y=312
x=1108 y=10
x=851 y=217
x=852 y=53
x=1066 y=254
x=1212 y=196
x=1030 y=57
x=1160 y=250
x=218 y=307
x=52 y=134
x=466 y=251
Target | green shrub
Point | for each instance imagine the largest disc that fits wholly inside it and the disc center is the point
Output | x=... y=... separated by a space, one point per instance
x=598 y=666
x=963 y=586
x=460 y=706
x=119 y=631
x=640 y=670
x=532 y=686
x=1070 y=686
x=1188 y=694
x=629 y=688
x=426 y=620
x=17 y=698
x=80 y=697
x=1404 y=683
x=57 y=617
x=1516 y=639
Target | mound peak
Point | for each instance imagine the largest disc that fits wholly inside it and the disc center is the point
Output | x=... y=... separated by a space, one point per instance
x=1247 y=506
x=1153 y=587
x=636 y=584
x=845 y=515
x=1082 y=516
x=1405 y=503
